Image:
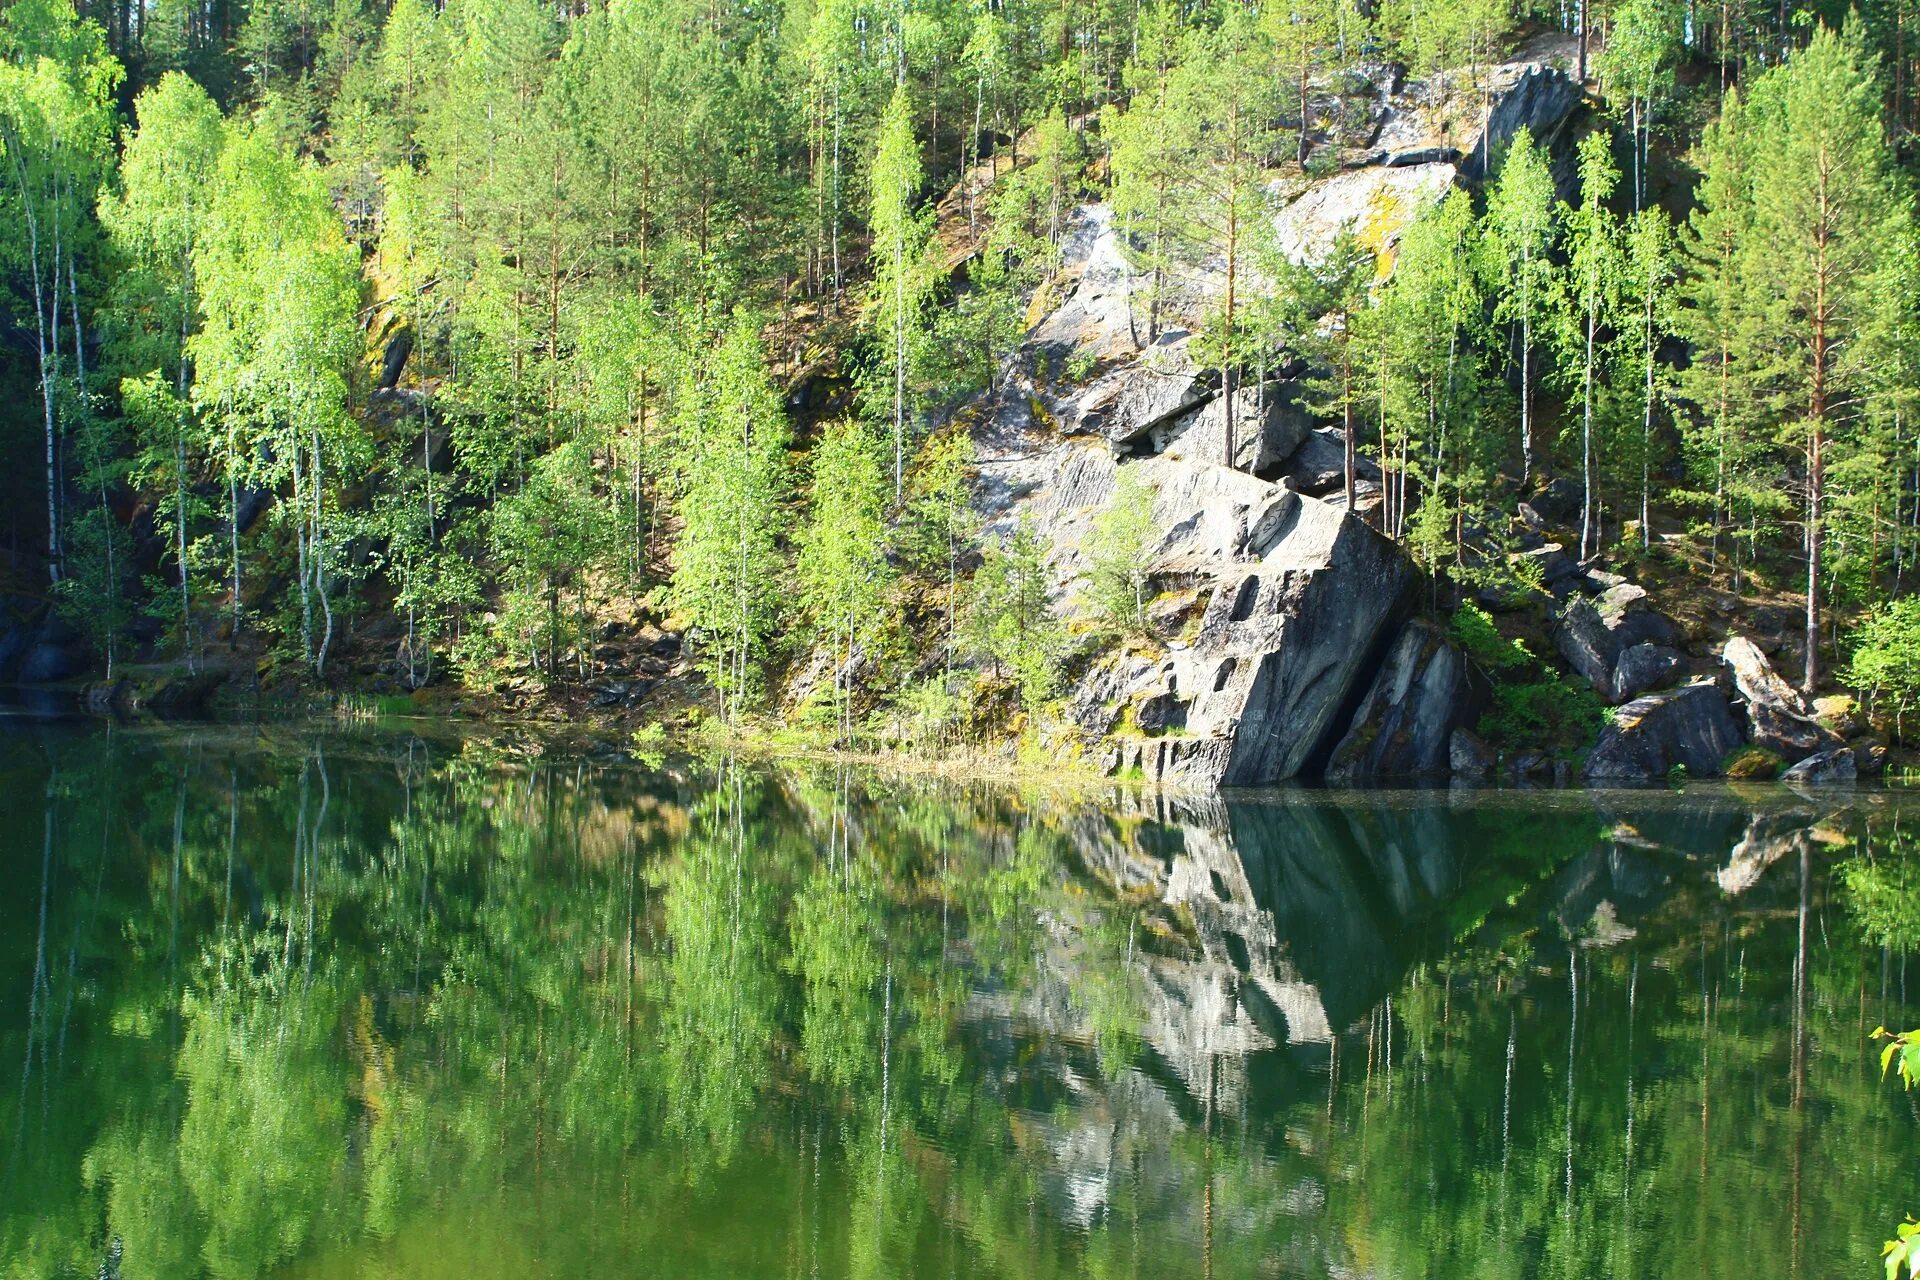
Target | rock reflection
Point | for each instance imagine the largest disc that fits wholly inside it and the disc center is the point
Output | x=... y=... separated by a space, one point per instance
x=325 y=1004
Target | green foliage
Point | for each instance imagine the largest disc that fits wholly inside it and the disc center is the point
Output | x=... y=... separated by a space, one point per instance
x=1533 y=709
x=726 y=574
x=842 y=566
x=1120 y=549
x=1010 y=620
x=1473 y=628
x=1885 y=662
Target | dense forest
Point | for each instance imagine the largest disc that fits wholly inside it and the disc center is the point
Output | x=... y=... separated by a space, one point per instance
x=467 y=334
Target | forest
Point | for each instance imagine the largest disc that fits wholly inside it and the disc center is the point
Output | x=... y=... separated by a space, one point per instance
x=466 y=335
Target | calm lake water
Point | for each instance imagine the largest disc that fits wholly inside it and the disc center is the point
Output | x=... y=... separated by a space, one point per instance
x=310 y=1002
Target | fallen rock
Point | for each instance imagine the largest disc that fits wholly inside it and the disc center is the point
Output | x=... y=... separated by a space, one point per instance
x=1593 y=633
x=1828 y=768
x=1776 y=716
x=1269 y=426
x=1318 y=466
x=1126 y=405
x=1424 y=692
x=1645 y=666
x=1469 y=757
x=1690 y=726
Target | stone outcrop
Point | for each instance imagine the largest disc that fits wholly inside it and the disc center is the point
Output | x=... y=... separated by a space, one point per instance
x=1270 y=425
x=1424 y=693
x=1290 y=632
x=1691 y=727
x=1096 y=316
x=1777 y=718
x=1535 y=96
x=1645 y=666
x=1125 y=406
x=1318 y=467
x=1594 y=633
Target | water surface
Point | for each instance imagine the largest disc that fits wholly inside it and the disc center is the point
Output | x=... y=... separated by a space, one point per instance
x=309 y=1002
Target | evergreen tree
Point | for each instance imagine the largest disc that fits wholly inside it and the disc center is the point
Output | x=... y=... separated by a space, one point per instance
x=727 y=563
x=1827 y=204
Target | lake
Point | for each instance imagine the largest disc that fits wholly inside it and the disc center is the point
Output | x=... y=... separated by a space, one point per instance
x=328 y=1002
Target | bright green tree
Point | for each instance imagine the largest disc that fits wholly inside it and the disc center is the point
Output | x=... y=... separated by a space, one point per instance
x=842 y=566
x=1521 y=233
x=156 y=220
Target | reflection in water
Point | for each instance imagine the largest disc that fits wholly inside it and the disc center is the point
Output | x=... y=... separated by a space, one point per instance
x=328 y=1004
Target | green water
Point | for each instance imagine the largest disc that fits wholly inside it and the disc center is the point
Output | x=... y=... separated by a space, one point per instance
x=393 y=1004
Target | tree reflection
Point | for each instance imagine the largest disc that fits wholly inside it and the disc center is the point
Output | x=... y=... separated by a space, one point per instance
x=339 y=1002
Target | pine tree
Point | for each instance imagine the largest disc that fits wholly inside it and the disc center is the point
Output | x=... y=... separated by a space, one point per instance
x=1827 y=204
x=727 y=564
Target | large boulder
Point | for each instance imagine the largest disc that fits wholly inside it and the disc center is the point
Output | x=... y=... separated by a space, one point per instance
x=1776 y=715
x=1835 y=767
x=1594 y=632
x=1645 y=666
x=1127 y=405
x=1424 y=691
x=1318 y=467
x=1691 y=726
x=1270 y=424
x=1287 y=637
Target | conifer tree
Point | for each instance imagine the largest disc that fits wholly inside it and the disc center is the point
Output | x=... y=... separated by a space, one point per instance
x=734 y=436
x=842 y=566
x=1827 y=205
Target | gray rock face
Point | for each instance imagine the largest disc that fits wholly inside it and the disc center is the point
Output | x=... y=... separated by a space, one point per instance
x=1319 y=466
x=1533 y=96
x=1285 y=640
x=48 y=662
x=1098 y=313
x=1470 y=758
x=1269 y=425
x=1594 y=633
x=1829 y=768
x=1424 y=693
x=1645 y=666
x=1690 y=726
x=1128 y=404
x=1776 y=714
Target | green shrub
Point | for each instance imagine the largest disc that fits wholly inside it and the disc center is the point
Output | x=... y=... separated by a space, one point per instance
x=1533 y=709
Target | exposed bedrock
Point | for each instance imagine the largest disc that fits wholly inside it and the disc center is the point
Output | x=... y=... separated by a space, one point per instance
x=1424 y=691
